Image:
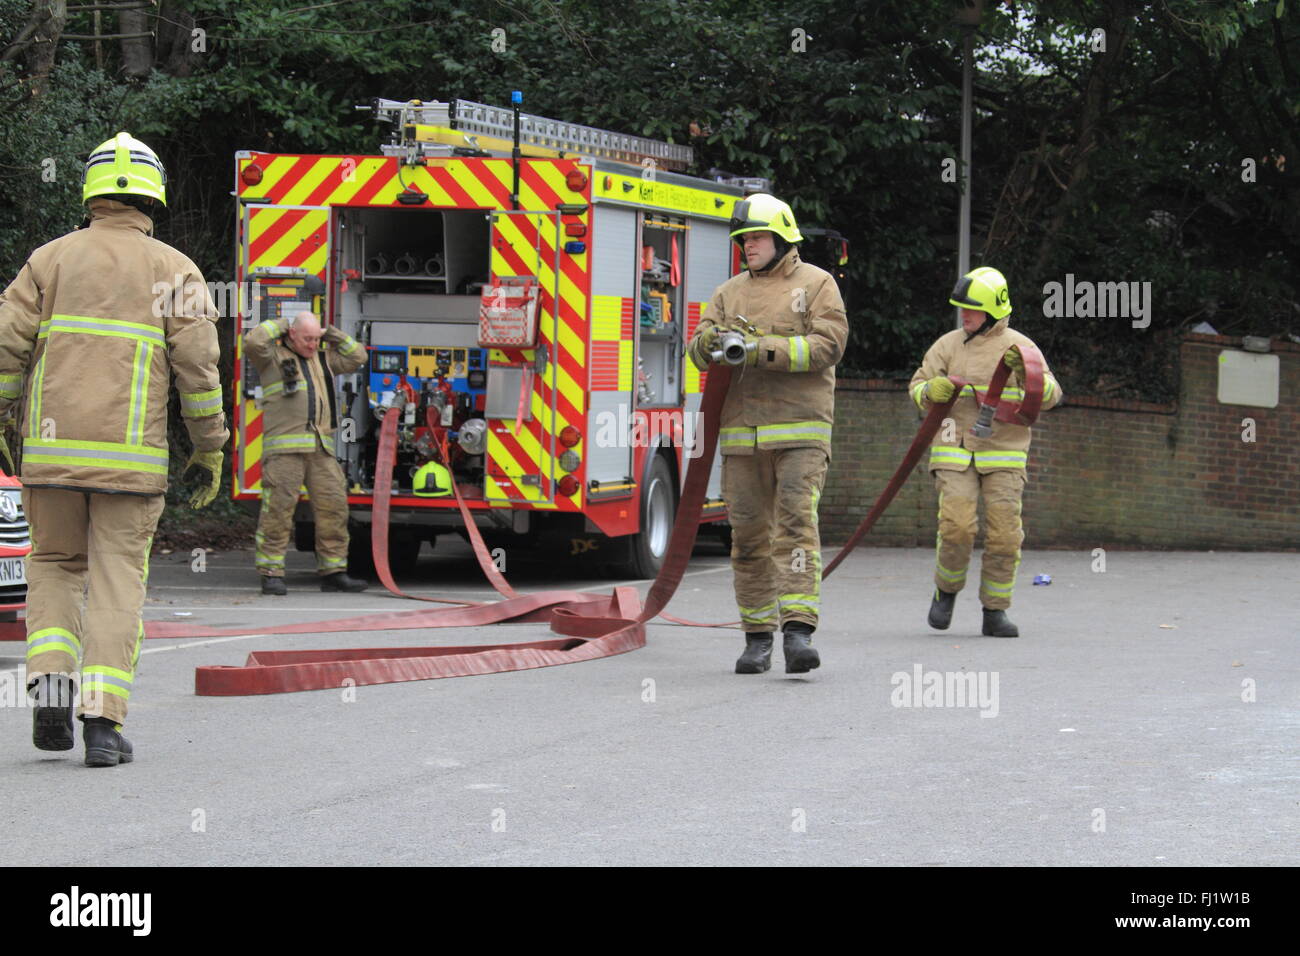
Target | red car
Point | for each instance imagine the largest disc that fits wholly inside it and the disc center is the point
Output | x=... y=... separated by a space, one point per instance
x=15 y=545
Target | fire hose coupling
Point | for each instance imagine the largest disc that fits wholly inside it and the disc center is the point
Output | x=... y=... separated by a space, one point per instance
x=1028 y=364
x=732 y=347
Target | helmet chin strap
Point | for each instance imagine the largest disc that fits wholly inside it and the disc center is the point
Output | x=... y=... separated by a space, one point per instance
x=989 y=322
x=782 y=247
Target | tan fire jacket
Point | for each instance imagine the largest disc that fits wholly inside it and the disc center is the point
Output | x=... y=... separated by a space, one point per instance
x=787 y=400
x=91 y=331
x=302 y=420
x=976 y=361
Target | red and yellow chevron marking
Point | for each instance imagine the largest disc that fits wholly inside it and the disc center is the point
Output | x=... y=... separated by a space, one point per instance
x=288 y=237
x=248 y=425
x=251 y=480
x=526 y=245
x=276 y=237
x=281 y=237
x=463 y=183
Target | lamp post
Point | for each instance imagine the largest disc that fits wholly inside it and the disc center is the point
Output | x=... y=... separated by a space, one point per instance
x=967 y=14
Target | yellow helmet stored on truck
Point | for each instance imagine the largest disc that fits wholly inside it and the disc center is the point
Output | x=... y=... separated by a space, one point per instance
x=124 y=166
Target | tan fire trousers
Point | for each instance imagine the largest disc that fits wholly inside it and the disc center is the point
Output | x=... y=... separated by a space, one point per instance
x=283 y=476
x=959 y=493
x=92 y=548
x=776 y=557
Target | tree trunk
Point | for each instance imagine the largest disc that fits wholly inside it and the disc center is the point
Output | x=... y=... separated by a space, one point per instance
x=1096 y=95
x=40 y=40
x=176 y=55
x=137 y=53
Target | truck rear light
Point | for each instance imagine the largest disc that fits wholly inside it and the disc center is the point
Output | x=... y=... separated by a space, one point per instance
x=575 y=229
x=576 y=180
x=568 y=486
x=570 y=436
x=570 y=461
x=251 y=174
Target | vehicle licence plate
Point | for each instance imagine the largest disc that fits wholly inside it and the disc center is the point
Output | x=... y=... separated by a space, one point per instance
x=12 y=571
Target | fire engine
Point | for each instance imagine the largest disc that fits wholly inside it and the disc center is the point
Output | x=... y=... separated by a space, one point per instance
x=528 y=286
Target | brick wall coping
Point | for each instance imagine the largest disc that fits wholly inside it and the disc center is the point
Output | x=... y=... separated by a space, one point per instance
x=1084 y=401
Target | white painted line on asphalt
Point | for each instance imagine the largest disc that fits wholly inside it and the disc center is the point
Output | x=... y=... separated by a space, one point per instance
x=205 y=642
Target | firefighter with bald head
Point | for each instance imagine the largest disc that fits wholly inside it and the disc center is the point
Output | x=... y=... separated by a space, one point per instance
x=296 y=363
x=776 y=426
x=967 y=468
x=92 y=331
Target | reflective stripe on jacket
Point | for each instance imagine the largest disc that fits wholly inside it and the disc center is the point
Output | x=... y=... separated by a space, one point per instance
x=91 y=332
x=955 y=447
x=787 y=400
x=304 y=419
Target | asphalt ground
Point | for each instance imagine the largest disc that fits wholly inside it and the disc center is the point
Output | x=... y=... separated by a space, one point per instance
x=1147 y=716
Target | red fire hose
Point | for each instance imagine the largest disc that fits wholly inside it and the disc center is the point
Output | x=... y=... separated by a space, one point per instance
x=591 y=626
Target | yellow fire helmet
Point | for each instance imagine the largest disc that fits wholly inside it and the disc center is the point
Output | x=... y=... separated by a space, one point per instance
x=761 y=211
x=124 y=165
x=432 y=480
x=985 y=289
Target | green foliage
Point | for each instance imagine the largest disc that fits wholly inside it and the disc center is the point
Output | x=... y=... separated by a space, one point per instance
x=1117 y=167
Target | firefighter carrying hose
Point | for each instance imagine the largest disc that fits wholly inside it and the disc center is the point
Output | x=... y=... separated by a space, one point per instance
x=296 y=362
x=966 y=467
x=784 y=320
x=90 y=341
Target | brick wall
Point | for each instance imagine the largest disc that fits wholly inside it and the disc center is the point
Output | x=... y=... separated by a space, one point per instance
x=1102 y=472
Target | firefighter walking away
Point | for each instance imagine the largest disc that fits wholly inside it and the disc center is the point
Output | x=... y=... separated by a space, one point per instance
x=782 y=323
x=87 y=351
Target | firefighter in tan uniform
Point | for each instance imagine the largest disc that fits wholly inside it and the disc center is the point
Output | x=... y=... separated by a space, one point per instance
x=296 y=362
x=776 y=427
x=965 y=467
x=91 y=331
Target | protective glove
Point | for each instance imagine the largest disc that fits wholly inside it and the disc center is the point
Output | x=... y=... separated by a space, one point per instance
x=7 y=421
x=751 y=348
x=701 y=346
x=212 y=462
x=939 y=390
x=1014 y=361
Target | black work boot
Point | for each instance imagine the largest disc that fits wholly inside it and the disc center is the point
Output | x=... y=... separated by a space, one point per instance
x=941 y=609
x=273 y=586
x=997 y=624
x=758 y=653
x=52 y=713
x=800 y=655
x=339 y=581
x=105 y=745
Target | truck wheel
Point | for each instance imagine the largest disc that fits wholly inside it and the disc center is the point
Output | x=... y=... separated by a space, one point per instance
x=304 y=535
x=359 y=550
x=641 y=555
x=403 y=551
x=724 y=536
